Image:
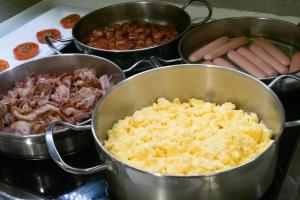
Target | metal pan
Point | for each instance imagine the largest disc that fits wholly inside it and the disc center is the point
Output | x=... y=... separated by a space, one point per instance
x=248 y=181
x=34 y=146
x=156 y=12
x=283 y=34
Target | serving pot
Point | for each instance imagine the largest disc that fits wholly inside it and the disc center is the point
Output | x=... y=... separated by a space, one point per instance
x=283 y=34
x=210 y=83
x=156 y=12
x=34 y=146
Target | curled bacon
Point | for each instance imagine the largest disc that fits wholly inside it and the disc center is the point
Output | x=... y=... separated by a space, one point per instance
x=40 y=99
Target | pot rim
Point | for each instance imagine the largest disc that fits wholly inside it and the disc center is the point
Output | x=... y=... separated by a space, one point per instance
x=230 y=19
x=41 y=137
x=246 y=164
x=132 y=50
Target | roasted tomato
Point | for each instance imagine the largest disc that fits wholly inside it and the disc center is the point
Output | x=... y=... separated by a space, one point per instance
x=69 y=21
x=53 y=33
x=26 y=50
x=3 y=65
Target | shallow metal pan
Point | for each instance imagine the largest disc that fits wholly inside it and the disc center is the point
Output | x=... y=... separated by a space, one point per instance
x=34 y=146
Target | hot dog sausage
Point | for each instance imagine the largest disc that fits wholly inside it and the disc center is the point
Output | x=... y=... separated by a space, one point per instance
x=265 y=67
x=245 y=64
x=198 y=54
x=295 y=62
x=233 y=44
x=223 y=63
x=273 y=51
x=269 y=59
x=207 y=62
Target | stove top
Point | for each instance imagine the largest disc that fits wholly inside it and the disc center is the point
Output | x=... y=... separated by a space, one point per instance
x=44 y=179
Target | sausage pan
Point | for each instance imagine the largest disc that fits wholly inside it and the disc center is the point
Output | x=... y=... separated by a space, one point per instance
x=283 y=34
x=156 y=12
x=34 y=146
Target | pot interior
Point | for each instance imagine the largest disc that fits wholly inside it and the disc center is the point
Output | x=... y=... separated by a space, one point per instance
x=159 y=13
x=58 y=65
x=212 y=84
x=283 y=34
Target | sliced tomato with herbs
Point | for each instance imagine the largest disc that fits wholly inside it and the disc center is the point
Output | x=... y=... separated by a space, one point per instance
x=26 y=50
x=3 y=65
x=53 y=33
x=69 y=21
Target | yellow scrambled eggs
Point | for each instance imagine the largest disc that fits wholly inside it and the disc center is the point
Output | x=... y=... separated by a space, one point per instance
x=190 y=138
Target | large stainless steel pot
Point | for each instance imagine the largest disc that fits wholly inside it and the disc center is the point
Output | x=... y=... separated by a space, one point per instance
x=248 y=181
x=157 y=12
x=34 y=146
x=284 y=34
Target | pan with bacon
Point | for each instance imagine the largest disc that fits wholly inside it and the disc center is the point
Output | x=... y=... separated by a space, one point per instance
x=65 y=87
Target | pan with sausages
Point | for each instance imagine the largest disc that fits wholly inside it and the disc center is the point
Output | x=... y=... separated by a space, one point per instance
x=129 y=32
x=266 y=52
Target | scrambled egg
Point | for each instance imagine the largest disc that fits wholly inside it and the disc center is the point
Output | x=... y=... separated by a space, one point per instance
x=191 y=138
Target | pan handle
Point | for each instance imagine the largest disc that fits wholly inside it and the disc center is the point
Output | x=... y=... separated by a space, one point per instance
x=135 y=65
x=208 y=6
x=52 y=47
x=55 y=154
x=156 y=61
x=277 y=80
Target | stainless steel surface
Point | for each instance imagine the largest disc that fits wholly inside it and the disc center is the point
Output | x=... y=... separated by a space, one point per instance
x=248 y=181
x=157 y=12
x=8 y=192
x=34 y=146
x=57 y=158
x=283 y=34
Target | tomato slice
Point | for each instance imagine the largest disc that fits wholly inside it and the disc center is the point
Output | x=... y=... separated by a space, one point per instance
x=3 y=65
x=26 y=50
x=53 y=33
x=69 y=21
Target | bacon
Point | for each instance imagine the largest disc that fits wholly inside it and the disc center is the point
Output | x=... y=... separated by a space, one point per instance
x=41 y=99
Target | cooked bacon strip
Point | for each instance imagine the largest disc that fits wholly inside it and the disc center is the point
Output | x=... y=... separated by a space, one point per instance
x=40 y=99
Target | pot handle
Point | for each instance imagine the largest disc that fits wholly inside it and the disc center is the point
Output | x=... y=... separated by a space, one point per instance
x=156 y=61
x=55 y=154
x=273 y=83
x=52 y=47
x=135 y=65
x=208 y=6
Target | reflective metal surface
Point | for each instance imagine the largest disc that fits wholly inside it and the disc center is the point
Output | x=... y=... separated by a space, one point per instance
x=34 y=146
x=248 y=181
x=157 y=12
x=283 y=34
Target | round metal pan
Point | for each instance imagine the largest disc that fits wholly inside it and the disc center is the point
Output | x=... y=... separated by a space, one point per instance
x=284 y=35
x=34 y=146
x=156 y=12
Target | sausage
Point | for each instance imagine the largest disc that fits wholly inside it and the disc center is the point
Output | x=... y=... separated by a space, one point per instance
x=207 y=62
x=280 y=68
x=265 y=67
x=245 y=64
x=223 y=63
x=233 y=44
x=198 y=54
x=273 y=51
x=295 y=62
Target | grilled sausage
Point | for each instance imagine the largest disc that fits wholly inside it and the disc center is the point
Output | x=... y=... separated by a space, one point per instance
x=260 y=63
x=233 y=44
x=198 y=54
x=223 y=63
x=245 y=64
x=295 y=62
x=273 y=51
